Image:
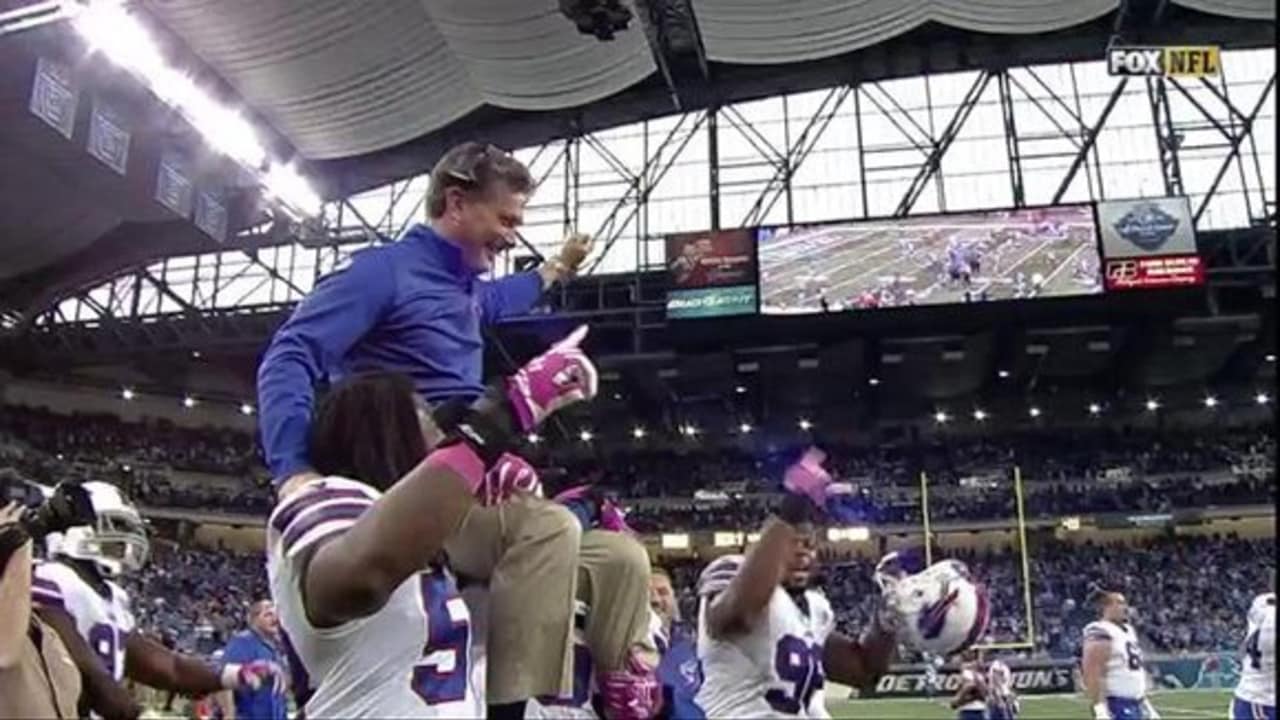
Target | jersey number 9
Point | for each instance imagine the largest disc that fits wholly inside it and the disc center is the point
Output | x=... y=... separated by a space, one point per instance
x=441 y=675
x=800 y=664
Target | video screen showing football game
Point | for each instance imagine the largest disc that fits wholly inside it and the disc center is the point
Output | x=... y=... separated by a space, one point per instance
x=929 y=260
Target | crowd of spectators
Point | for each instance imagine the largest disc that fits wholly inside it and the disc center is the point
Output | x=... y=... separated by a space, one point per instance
x=1186 y=594
x=1065 y=472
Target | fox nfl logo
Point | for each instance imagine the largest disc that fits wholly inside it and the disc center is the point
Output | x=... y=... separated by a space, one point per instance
x=1183 y=61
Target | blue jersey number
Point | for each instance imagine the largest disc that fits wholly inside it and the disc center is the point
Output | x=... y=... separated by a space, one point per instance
x=1251 y=649
x=800 y=664
x=441 y=675
x=104 y=641
x=1133 y=654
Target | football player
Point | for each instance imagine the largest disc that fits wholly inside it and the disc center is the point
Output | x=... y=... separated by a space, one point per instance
x=766 y=639
x=1115 y=680
x=1002 y=702
x=970 y=699
x=75 y=593
x=1255 y=695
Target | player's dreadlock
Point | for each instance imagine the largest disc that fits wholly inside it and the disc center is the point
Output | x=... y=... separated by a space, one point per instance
x=367 y=428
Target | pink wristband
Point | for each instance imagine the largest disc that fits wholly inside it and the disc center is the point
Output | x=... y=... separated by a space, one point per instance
x=461 y=459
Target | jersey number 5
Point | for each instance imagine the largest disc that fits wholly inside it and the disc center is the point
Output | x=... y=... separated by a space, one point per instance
x=798 y=663
x=441 y=675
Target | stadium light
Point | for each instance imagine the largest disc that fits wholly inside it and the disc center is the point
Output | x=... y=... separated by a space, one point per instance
x=126 y=468
x=744 y=428
x=533 y=438
x=675 y=541
x=1271 y=357
x=688 y=430
x=1152 y=405
x=979 y=414
x=195 y=354
x=585 y=436
x=1262 y=398
x=637 y=432
x=188 y=402
x=941 y=417
x=805 y=424
x=873 y=382
x=740 y=390
x=1033 y=411
x=109 y=27
x=1003 y=374
x=1095 y=408
x=127 y=394
x=246 y=409
x=1210 y=401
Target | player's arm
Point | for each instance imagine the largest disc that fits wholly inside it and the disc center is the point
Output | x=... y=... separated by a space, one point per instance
x=154 y=665
x=102 y=693
x=15 y=586
x=859 y=663
x=334 y=316
x=748 y=594
x=1093 y=665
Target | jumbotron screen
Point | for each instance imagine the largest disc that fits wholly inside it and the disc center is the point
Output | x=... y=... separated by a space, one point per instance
x=929 y=260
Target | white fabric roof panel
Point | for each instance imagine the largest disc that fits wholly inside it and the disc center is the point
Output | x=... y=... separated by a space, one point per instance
x=342 y=79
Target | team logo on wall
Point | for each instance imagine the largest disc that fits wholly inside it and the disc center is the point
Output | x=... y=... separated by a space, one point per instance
x=1147 y=226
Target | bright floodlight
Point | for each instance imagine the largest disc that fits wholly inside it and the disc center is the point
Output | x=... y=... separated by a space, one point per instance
x=637 y=432
x=586 y=435
x=188 y=402
x=1210 y=401
x=1262 y=398
x=805 y=424
x=1153 y=405
x=127 y=394
x=941 y=417
x=740 y=389
x=1094 y=408
x=873 y=382
x=744 y=428
x=979 y=414
x=246 y=409
x=1003 y=374
x=284 y=182
x=534 y=438
x=1034 y=411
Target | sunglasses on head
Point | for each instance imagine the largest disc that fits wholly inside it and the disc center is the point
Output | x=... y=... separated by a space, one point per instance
x=472 y=160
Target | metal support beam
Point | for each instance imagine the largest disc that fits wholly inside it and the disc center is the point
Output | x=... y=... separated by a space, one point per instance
x=1011 y=138
x=1090 y=138
x=942 y=143
x=1167 y=138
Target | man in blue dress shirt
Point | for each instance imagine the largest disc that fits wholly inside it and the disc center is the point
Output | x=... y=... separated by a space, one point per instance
x=417 y=306
x=259 y=642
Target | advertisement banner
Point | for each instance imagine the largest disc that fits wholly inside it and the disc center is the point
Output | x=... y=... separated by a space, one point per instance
x=711 y=302
x=1147 y=227
x=1154 y=272
x=711 y=259
x=1030 y=679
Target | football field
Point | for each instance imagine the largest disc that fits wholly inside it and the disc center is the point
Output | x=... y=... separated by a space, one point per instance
x=1171 y=704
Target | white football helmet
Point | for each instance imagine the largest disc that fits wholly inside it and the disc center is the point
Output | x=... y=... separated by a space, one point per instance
x=116 y=543
x=942 y=609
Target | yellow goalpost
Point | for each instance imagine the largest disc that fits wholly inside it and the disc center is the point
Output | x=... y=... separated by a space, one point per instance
x=1027 y=642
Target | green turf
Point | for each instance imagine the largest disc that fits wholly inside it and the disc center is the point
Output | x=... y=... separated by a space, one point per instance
x=1172 y=705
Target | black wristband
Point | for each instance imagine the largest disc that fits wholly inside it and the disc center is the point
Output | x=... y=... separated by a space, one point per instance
x=796 y=509
x=12 y=537
x=486 y=436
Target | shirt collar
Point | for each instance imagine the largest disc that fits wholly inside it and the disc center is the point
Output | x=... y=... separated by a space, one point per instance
x=447 y=254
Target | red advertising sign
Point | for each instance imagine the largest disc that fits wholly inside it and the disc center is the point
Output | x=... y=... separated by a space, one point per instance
x=1155 y=272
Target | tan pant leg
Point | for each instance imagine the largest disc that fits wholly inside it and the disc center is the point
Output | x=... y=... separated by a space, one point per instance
x=614 y=582
x=527 y=550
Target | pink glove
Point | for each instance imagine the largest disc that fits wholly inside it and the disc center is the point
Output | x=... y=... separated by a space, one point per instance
x=807 y=477
x=560 y=377
x=633 y=693
x=513 y=474
x=251 y=675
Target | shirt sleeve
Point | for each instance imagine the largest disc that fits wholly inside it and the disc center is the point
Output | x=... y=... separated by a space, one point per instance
x=339 y=311
x=510 y=296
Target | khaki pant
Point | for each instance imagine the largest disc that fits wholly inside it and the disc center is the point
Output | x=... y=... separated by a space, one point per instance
x=537 y=560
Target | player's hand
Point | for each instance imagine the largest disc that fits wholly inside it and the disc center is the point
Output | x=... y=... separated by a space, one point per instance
x=609 y=515
x=560 y=377
x=1101 y=712
x=807 y=477
x=251 y=675
x=633 y=693
x=577 y=246
x=512 y=475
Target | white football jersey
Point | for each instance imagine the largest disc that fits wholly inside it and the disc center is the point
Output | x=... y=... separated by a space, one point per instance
x=999 y=680
x=1258 y=675
x=774 y=669
x=970 y=674
x=104 y=621
x=1125 y=676
x=411 y=659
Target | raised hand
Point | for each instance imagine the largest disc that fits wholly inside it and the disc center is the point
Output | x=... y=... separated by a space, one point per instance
x=560 y=377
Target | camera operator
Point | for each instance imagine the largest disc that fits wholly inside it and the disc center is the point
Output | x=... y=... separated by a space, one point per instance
x=37 y=675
